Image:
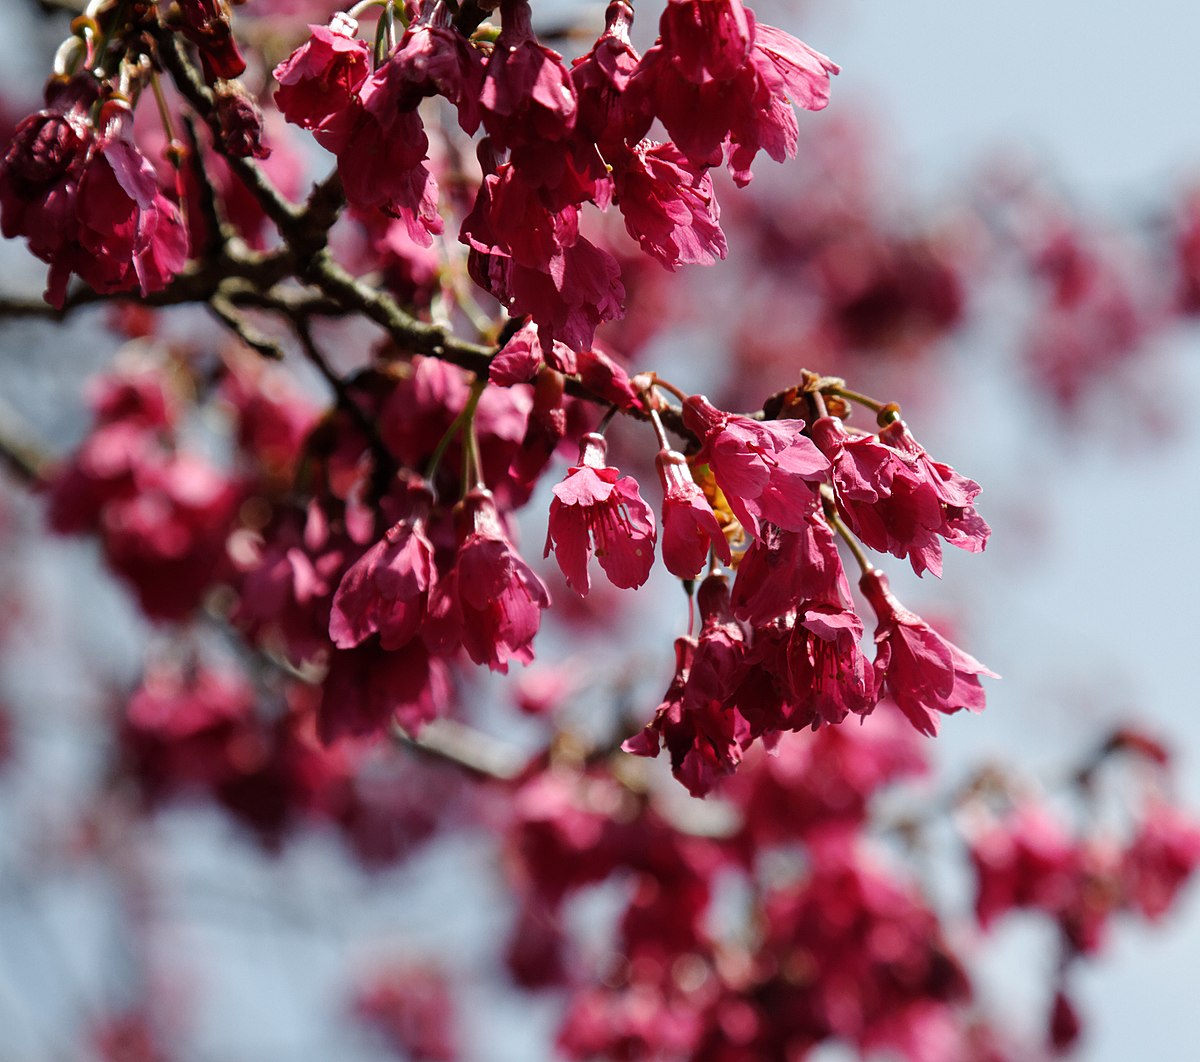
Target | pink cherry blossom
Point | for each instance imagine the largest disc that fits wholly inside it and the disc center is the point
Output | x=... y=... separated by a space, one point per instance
x=782 y=569
x=491 y=601
x=319 y=82
x=386 y=590
x=527 y=94
x=600 y=78
x=828 y=671
x=704 y=735
x=766 y=469
x=597 y=510
x=690 y=527
x=669 y=205
x=922 y=671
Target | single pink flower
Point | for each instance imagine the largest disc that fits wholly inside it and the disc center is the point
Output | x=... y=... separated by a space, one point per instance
x=382 y=159
x=130 y=235
x=1163 y=855
x=766 y=469
x=707 y=39
x=829 y=674
x=597 y=510
x=367 y=688
x=922 y=671
x=387 y=589
x=206 y=24
x=319 y=81
x=961 y=526
x=600 y=79
x=527 y=95
x=896 y=498
x=783 y=569
x=690 y=527
x=491 y=601
x=729 y=87
x=705 y=736
x=881 y=499
x=41 y=169
x=434 y=59
x=669 y=205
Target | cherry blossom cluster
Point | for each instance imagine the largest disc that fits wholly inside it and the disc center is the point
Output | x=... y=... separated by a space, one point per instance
x=780 y=644
x=845 y=945
x=558 y=138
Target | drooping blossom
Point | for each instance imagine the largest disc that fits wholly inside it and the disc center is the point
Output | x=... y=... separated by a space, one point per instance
x=386 y=590
x=491 y=601
x=434 y=59
x=368 y=687
x=1025 y=860
x=319 y=81
x=89 y=201
x=527 y=96
x=690 y=527
x=719 y=82
x=382 y=158
x=781 y=569
x=895 y=498
x=705 y=737
x=206 y=24
x=1163 y=855
x=766 y=469
x=829 y=674
x=669 y=205
x=961 y=525
x=598 y=511
x=923 y=672
x=240 y=120
x=39 y=177
x=600 y=78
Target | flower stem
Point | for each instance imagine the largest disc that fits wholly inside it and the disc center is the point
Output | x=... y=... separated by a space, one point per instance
x=854 y=396
x=835 y=522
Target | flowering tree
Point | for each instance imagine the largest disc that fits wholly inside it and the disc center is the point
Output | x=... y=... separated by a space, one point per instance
x=316 y=510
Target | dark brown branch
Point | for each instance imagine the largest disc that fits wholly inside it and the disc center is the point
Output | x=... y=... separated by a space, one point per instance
x=230 y=316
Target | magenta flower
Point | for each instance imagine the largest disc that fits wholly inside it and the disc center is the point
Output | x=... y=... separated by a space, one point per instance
x=381 y=160
x=491 y=601
x=961 y=526
x=669 y=205
x=708 y=39
x=767 y=470
x=704 y=735
x=829 y=674
x=717 y=80
x=129 y=234
x=782 y=569
x=40 y=173
x=387 y=589
x=690 y=527
x=1163 y=855
x=433 y=59
x=527 y=94
x=922 y=671
x=597 y=510
x=206 y=24
x=319 y=82
x=895 y=498
x=600 y=79
x=367 y=688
